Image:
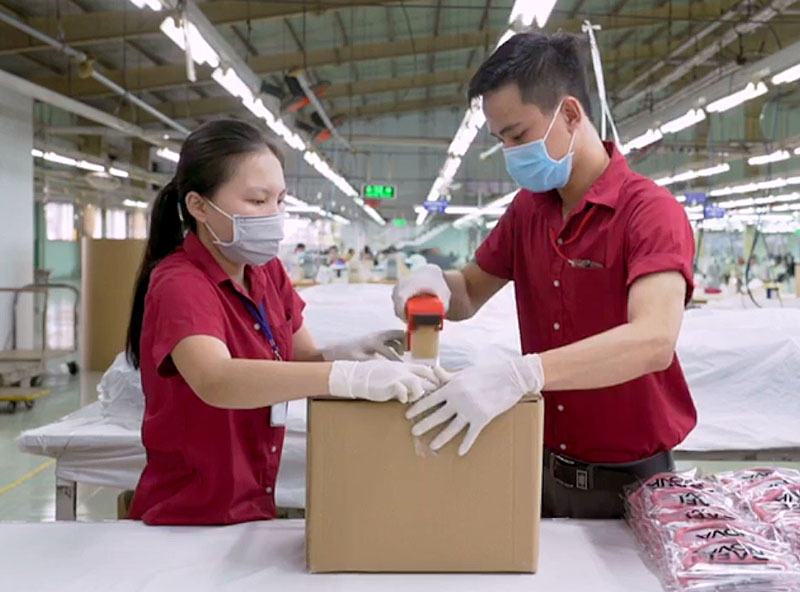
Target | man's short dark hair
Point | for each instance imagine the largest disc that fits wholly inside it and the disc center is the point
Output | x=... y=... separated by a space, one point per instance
x=545 y=67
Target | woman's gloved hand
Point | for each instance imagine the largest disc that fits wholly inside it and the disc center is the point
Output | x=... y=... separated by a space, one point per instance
x=381 y=380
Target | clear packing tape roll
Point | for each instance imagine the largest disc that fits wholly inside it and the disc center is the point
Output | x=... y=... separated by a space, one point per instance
x=731 y=531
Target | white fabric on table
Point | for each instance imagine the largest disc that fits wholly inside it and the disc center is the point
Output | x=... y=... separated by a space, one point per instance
x=128 y=556
x=743 y=368
x=90 y=448
x=741 y=365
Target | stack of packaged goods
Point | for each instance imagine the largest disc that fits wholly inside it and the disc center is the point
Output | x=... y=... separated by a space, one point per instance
x=733 y=531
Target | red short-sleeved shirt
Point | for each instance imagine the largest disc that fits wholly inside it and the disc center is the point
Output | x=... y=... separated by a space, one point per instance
x=207 y=465
x=625 y=228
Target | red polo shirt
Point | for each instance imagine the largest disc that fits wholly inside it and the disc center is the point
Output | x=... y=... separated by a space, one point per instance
x=626 y=227
x=207 y=465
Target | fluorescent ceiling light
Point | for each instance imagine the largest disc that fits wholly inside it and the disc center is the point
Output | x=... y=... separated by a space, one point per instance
x=525 y=12
x=118 y=172
x=491 y=225
x=681 y=198
x=168 y=154
x=135 y=204
x=751 y=91
x=753 y=187
x=651 y=136
x=151 y=4
x=492 y=207
x=689 y=175
x=200 y=50
x=788 y=75
x=797 y=151
x=90 y=166
x=37 y=153
x=291 y=200
x=490 y=151
x=340 y=219
x=691 y=118
x=228 y=79
x=57 y=158
x=760 y=201
x=462 y=210
x=768 y=158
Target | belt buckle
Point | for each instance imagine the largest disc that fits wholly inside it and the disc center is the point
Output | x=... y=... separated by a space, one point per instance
x=582 y=475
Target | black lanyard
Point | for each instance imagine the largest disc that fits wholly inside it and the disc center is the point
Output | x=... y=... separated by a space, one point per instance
x=260 y=316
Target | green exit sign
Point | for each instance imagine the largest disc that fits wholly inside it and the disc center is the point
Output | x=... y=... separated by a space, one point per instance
x=380 y=191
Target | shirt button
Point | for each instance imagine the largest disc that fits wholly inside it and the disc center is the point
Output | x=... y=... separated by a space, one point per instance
x=256 y=326
x=560 y=241
x=269 y=489
x=563 y=447
x=556 y=326
x=561 y=408
x=556 y=283
x=274 y=449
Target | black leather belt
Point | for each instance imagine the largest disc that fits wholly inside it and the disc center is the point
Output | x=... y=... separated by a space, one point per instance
x=575 y=474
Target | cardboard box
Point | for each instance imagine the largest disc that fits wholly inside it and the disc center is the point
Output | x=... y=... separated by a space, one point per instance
x=377 y=502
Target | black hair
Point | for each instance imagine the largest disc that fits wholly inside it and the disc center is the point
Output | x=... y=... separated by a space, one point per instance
x=300 y=246
x=208 y=158
x=545 y=67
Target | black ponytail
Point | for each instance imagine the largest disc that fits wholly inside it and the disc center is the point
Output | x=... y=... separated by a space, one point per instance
x=205 y=163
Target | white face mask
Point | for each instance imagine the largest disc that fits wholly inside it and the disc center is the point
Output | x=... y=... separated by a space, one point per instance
x=256 y=239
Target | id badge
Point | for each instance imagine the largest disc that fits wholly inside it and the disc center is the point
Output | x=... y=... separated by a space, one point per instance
x=277 y=414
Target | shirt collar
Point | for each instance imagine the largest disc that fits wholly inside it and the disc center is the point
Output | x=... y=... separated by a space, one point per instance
x=606 y=189
x=202 y=258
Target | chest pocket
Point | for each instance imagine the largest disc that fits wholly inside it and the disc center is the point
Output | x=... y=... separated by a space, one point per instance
x=594 y=284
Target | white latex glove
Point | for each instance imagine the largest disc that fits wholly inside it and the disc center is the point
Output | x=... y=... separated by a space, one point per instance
x=428 y=279
x=381 y=380
x=367 y=348
x=475 y=396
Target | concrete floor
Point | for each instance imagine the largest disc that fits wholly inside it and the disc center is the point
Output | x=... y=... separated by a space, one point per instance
x=33 y=498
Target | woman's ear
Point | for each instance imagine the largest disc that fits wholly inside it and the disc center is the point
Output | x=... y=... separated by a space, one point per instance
x=197 y=207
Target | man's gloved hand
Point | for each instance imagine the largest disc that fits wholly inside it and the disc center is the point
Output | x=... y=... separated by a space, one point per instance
x=475 y=396
x=387 y=344
x=381 y=380
x=428 y=279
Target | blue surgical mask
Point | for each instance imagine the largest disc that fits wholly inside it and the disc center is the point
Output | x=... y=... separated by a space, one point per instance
x=256 y=239
x=533 y=168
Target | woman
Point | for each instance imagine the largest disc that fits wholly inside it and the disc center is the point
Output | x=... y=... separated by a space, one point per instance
x=217 y=331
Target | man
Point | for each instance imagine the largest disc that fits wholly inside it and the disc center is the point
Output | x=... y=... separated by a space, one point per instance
x=601 y=258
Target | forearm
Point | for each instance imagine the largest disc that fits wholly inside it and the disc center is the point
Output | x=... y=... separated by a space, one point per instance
x=461 y=305
x=614 y=357
x=250 y=384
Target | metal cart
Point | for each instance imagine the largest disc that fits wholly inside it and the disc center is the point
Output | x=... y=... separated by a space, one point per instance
x=22 y=371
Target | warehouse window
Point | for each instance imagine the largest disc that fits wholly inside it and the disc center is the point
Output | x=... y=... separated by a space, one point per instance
x=60 y=221
x=116 y=224
x=138 y=224
x=97 y=227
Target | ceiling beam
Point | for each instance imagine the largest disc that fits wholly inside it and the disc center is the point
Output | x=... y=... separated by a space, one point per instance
x=108 y=26
x=217 y=106
x=172 y=75
x=371 y=111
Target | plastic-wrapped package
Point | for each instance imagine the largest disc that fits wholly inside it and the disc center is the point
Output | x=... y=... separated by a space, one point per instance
x=781 y=503
x=690 y=536
x=120 y=393
x=734 y=531
x=738 y=481
x=734 y=564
